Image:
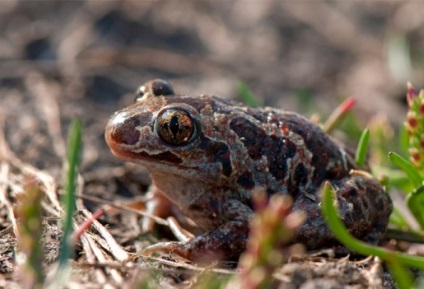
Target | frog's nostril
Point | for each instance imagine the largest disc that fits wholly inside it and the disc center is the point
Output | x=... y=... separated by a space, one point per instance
x=122 y=130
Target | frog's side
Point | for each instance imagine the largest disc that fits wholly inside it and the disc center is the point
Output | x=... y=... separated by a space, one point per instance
x=207 y=154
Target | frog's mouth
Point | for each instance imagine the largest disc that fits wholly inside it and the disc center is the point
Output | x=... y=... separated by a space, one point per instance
x=145 y=158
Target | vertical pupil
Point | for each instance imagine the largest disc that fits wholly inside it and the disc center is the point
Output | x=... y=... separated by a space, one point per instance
x=174 y=125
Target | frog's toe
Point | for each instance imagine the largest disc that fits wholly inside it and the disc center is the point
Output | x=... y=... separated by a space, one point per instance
x=176 y=248
x=166 y=247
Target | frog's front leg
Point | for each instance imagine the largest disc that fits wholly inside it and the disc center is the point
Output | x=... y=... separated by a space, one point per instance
x=363 y=206
x=226 y=242
x=158 y=205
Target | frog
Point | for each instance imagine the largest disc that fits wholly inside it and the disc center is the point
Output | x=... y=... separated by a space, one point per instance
x=207 y=155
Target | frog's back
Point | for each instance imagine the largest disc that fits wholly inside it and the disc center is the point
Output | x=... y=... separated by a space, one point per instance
x=287 y=152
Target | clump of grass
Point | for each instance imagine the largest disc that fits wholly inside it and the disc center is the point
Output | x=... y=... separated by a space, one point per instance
x=414 y=168
x=415 y=126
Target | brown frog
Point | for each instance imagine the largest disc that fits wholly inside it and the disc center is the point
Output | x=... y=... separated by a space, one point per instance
x=207 y=154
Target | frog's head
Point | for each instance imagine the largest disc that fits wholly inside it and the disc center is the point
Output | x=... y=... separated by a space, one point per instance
x=167 y=133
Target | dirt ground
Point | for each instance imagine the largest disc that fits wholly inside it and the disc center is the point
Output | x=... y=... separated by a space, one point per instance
x=62 y=59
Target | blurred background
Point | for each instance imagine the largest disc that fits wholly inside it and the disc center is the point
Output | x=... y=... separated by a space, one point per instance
x=59 y=59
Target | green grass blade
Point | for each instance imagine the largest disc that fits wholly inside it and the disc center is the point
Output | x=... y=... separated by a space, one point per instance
x=30 y=227
x=73 y=153
x=402 y=276
x=407 y=167
x=340 y=232
x=397 y=219
x=361 y=151
x=403 y=141
x=338 y=115
x=415 y=202
x=246 y=95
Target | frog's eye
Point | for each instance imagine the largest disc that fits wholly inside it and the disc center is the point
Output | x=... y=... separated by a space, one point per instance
x=154 y=87
x=175 y=126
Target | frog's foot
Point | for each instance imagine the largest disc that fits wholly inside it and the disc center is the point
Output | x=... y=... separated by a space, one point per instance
x=226 y=242
x=181 y=249
x=362 y=204
x=220 y=244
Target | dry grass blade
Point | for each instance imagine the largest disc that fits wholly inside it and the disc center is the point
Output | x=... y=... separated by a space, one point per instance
x=102 y=258
x=30 y=227
x=158 y=220
x=115 y=249
x=4 y=176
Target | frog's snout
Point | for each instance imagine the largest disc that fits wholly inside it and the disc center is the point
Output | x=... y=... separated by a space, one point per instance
x=122 y=130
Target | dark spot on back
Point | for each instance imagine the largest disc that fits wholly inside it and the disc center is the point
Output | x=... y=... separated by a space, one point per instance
x=352 y=192
x=321 y=146
x=195 y=207
x=297 y=180
x=217 y=152
x=246 y=181
x=300 y=176
x=251 y=135
x=269 y=192
x=278 y=151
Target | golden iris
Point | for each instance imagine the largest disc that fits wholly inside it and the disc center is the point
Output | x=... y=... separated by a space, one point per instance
x=175 y=126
